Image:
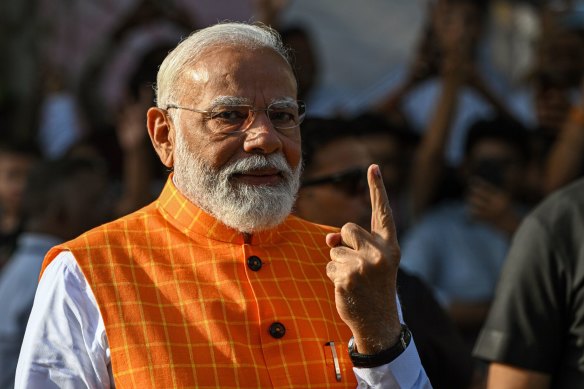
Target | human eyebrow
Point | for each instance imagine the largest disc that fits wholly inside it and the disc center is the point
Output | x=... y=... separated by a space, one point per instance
x=228 y=100
x=284 y=102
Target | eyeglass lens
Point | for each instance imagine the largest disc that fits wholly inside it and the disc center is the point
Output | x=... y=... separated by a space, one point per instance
x=239 y=117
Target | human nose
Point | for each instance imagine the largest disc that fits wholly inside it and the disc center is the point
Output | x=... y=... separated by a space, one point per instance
x=260 y=134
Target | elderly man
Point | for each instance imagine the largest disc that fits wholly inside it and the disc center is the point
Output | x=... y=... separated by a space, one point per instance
x=215 y=284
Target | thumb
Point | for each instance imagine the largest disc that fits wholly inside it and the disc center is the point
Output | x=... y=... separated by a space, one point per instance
x=333 y=239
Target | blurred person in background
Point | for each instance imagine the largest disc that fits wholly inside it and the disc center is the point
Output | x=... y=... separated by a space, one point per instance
x=16 y=160
x=134 y=175
x=334 y=190
x=561 y=61
x=564 y=159
x=450 y=59
x=140 y=178
x=115 y=112
x=62 y=198
x=459 y=244
x=554 y=88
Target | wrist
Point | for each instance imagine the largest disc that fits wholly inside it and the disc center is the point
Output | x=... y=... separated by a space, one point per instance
x=381 y=337
x=386 y=355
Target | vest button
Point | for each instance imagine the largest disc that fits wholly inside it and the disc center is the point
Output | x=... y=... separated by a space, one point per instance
x=277 y=330
x=254 y=263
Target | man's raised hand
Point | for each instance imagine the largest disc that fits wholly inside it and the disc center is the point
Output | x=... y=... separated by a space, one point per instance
x=363 y=269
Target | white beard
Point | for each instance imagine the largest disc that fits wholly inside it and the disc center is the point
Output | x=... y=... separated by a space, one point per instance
x=246 y=208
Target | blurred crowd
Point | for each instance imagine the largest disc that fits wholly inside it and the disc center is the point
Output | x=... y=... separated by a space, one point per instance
x=466 y=152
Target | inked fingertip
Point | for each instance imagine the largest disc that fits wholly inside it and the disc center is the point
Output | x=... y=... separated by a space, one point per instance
x=377 y=171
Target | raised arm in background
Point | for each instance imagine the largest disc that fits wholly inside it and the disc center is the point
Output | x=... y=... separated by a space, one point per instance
x=564 y=163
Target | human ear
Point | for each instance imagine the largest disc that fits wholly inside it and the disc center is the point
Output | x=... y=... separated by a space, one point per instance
x=161 y=134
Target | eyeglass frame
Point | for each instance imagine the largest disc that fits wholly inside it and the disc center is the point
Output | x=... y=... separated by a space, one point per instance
x=301 y=106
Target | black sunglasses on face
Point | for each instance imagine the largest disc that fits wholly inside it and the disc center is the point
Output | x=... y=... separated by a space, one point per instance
x=351 y=182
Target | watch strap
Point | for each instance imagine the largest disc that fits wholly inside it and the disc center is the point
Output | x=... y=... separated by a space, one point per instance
x=383 y=357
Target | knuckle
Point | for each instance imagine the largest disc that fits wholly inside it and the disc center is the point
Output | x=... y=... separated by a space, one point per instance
x=377 y=261
x=349 y=229
x=336 y=252
x=331 y=269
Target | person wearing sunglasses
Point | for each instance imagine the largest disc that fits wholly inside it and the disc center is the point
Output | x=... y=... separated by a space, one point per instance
x=334 y=182
x=215 y=284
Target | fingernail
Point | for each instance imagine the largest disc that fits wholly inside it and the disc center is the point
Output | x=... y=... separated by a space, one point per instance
x=377 y=171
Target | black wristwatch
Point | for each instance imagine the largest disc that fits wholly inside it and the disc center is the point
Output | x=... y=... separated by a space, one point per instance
x=384 y=356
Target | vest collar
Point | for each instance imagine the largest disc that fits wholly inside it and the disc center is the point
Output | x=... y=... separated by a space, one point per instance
x=193 y=221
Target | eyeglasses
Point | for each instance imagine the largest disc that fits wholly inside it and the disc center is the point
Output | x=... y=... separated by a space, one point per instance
x=285 y=116
x=351 y=182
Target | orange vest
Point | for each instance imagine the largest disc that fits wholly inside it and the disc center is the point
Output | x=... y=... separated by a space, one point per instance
x=187 y=303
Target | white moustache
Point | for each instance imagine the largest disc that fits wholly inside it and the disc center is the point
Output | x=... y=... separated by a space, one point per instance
x=256 y=162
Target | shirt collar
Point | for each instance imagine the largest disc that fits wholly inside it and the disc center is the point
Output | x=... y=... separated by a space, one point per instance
x=193 y=221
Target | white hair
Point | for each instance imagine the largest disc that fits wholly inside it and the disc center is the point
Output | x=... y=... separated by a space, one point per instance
x=249 y=36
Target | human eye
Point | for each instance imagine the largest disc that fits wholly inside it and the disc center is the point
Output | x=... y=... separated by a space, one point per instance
x=230 y=115
x=283 y=117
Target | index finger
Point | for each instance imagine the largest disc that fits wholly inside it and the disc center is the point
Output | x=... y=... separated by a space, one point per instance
x=381 y=215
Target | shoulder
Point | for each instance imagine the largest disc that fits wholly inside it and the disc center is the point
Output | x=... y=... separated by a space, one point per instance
x=114 y=233
x=566 y=201
x=64 y=270
x=118 y=228
x=549 y=240
x=560 y=215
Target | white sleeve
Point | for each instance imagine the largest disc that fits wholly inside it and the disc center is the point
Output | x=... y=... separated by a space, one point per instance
x=65 y=344
x=405 y=372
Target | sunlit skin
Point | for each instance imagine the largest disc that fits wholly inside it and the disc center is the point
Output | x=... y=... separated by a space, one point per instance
x=261 y=77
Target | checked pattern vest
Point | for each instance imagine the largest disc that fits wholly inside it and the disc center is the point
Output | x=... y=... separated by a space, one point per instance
x=188 y=303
